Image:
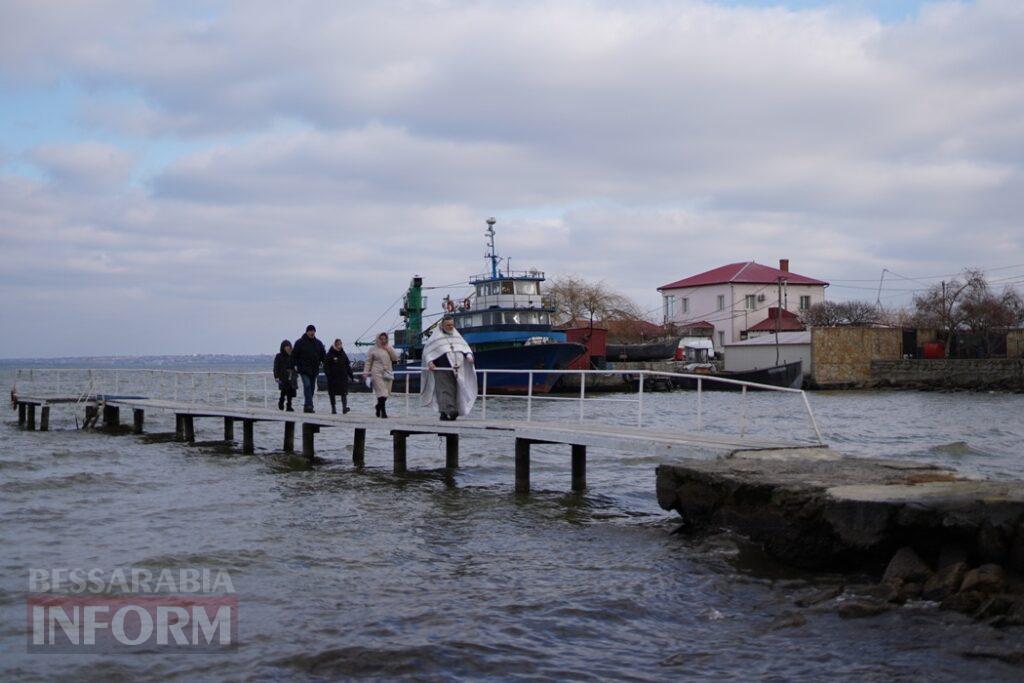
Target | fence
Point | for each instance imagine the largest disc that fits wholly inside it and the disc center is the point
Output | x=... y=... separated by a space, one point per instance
x=258 y=389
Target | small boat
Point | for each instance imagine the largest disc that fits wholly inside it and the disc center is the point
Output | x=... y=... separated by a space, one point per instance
x=662 y=349
x=788 y=375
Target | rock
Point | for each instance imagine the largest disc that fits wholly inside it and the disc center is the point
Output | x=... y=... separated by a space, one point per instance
x=811 y=598
x=995 y=606
x=992 y=545
x=906 y=567
x=944 y=582
x=988 y=578
x=965 y=602
x=1017 y=549
x=951 y=553
x=909 y=590
x=858 y=609
x=790 y=620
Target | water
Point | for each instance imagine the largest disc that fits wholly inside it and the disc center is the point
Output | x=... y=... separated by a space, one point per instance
x=344 y=574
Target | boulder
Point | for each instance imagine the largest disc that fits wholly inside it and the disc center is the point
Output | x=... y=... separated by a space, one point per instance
x=1017 y=549
x=944 y=582
x=858 y=609
x=988 y=578
x=992 y=544
x=815 y=597
x=951 y=553
x=906 y=566
x=965 y=602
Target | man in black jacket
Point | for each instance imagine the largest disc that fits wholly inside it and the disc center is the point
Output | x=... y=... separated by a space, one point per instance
x=308 y=353
x=339 y=372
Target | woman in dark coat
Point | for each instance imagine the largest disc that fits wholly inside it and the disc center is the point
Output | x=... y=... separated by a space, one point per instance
x=284 y=373
x=339 y=372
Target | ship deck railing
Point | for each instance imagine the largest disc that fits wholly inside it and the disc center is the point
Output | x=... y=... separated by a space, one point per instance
x=259 y=389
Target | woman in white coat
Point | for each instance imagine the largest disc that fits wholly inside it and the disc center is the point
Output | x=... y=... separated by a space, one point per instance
x=379 y=367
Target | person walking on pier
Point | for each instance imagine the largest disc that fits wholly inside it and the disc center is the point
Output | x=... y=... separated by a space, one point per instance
x=449 y=374
x=379 y=366
x=339 y=372
x=284 y=373
x=309 y=354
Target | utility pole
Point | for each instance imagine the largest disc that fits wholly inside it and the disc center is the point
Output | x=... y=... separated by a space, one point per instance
x=778 y=318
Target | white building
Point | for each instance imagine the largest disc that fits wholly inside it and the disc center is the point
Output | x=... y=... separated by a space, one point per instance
x=736 y=297
x=761 y=352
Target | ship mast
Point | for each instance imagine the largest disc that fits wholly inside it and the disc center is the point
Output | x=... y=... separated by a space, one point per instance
x=492 y=254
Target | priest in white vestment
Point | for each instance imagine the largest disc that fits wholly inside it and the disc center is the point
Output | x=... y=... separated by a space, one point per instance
x=449 y=375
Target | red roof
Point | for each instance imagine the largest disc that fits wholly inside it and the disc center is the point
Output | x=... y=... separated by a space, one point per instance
x=788 y=322
x=747 y=272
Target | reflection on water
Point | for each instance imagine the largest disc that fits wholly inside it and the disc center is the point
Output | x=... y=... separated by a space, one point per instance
x=363 y=573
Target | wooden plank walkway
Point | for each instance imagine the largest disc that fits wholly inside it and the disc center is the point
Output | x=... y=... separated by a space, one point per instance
x=576 y=435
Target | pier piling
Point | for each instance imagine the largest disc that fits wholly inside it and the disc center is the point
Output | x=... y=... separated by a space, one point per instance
x=522 y=465
x=31 y=419
x=190 y=428
x=229 y=429
x=451 y=451
x=579 y=467
x=400 y=451
x=179 y=427
x=91 y=415
x=44 y=418
x=359 y=448
x=289 y=437
x=248 y=447
x=111 y=416
x=308 y=432
x=138 y=420
x=22 y=414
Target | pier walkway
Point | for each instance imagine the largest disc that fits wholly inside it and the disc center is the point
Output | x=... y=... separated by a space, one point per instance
x=232 y=409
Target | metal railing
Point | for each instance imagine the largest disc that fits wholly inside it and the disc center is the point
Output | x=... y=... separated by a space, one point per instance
x=258 y=389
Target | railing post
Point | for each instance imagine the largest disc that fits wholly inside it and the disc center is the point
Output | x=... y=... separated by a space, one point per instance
x=407 y=375
x=700 y=404
x=175 y=386
x=245 y=390
x=484 y=416
x=117 y=381
x=743 y=411
x=265 y=399
x=640 y=402
x=226 y=388
x=209 y=387
x=193 y=379
x=529 y=397
x=810 y=414
x=583 y=391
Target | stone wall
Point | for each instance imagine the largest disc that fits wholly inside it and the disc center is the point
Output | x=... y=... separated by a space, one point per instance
x=1015 y=344
x=989 y=373
x=842 y=356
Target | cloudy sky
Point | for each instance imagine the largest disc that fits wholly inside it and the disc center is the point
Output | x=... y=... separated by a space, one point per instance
x=188 y=177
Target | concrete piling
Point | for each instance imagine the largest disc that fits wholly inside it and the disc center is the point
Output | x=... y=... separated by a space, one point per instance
x=451 y=451
x=229 y=429
x=359 y=448
x=522 y=465
x=308 y=432
x=189 y=424
x=248 y=447
x=138 y=420
x=400 y=451
x=22 y=414
x=179 y=427
x=111 y=416
x=31 y=419
x=44 y=418
x=579 y=467
x=289 y=437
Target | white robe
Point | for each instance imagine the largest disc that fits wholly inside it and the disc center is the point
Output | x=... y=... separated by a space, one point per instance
x=454 y=346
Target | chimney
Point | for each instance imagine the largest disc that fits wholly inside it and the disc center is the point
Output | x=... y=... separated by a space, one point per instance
x=784 y=265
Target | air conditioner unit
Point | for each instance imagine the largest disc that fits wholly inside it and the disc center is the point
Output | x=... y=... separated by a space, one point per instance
x=760 y=297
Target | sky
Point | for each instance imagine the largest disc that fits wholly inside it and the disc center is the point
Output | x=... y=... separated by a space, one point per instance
x=193 y=177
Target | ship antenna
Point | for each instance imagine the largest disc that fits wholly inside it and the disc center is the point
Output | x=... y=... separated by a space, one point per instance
x=492 y=254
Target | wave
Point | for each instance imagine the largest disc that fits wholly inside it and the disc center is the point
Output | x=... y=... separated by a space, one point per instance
x=956 y=448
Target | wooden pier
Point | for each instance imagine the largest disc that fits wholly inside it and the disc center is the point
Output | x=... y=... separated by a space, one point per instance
x=522 y=434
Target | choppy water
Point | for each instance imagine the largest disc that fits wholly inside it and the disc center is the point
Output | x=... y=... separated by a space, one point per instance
x=345 y=573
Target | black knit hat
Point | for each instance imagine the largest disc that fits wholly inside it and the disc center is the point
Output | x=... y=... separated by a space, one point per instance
x=310 y=327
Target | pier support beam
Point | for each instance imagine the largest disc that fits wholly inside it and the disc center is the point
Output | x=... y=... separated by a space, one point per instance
x=190 y=428
x=31 y=419
x=308 y=432
x=359 y=448
x=179 y=427
x=91 y=415
x=111 y=416
x=44 y=418
x=138 y=420
x=522 y=465
x=22 y=414
x=289 y=437
x=451 y=451
x=229 y=429
x=400 y=441
x=579 y=467
x=247 y=442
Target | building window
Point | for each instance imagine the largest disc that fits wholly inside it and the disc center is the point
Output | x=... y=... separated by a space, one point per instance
x=686 y=305
x=805 y=302
x=670 y=306
x=751 y=302
x=721 y=339
x=721 y=302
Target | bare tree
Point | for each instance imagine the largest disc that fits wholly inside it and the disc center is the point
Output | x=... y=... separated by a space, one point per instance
x=573 y=298
x=836 y=313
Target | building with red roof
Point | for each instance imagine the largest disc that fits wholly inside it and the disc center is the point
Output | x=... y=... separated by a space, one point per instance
x=737 y=298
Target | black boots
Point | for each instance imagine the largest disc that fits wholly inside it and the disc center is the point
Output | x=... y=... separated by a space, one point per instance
x=280 y=403
x=382 y=410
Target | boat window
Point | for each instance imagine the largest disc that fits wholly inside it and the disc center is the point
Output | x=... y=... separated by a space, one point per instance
x=481 y=290
x=507 y=287
x=527 y=287
x=512 y=318
x=545 y=319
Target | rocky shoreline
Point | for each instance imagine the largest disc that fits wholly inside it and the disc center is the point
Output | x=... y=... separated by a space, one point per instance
x=925 y=532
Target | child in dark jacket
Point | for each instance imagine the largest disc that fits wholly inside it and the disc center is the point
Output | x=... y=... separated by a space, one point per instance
x=284 y=373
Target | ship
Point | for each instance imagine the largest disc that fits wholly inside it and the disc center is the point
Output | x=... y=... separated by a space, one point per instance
x=506 y=320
